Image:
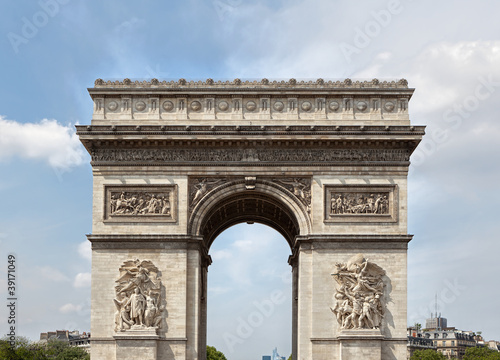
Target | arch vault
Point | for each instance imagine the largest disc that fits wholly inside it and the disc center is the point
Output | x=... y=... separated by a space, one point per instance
x=176 y=163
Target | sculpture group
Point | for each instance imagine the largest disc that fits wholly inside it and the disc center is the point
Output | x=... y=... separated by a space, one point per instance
x=356 y=203
x=138 y=297
x=139 y=204
x=359 y=300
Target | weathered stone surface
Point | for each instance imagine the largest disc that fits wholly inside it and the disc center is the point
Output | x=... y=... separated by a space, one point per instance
x=176 y=163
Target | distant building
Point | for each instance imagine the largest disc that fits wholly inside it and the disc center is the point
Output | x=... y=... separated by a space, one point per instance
x=449 y=341
x=417 y=341
x=74 y=338
x=436 y=322
x=452 y=342
x=494 y=345
x=274 y=356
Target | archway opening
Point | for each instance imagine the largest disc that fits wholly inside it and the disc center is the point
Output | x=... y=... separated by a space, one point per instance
x=250 y=292
x=249 y=207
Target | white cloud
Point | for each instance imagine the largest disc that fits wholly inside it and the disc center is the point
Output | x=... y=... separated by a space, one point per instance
x=82 y=280
x=245 y=244
x=47 y=140
x=218 y=290
x=240 y=252
x=52 y=274
x=450 y=72
x=221 y=254
x=85 y=250
x=443 y=73
x=70 y=308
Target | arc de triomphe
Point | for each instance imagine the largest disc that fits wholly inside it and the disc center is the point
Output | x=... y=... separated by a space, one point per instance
x=175 y=163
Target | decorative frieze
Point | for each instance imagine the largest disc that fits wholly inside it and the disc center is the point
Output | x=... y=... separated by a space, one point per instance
x=253 y=108
x=361 y=203
x=139 y=301
x=263 y=156
x=140 y=203
x=359 y=297
x=255 y=100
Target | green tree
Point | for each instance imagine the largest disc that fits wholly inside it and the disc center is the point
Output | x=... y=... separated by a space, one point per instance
x=60 y=350
x=23 y=349
x=427 y=355
x=214 y=354
x=481 y=353
x=290 y=357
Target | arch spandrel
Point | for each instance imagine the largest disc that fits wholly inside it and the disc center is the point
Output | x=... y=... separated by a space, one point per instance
x=234 y=202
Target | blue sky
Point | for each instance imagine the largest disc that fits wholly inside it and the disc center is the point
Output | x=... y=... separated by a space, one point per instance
x=52 y=50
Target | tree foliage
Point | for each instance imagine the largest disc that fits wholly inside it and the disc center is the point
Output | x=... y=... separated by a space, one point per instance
x=24 y=349
x=214 y=354
x=427 y=355
x=481 y=353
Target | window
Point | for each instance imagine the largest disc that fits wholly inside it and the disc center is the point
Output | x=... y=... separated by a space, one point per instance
x=452 y=342
x=444 y=343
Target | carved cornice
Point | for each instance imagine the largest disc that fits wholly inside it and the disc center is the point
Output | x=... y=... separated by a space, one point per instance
x=137 y=241
x=248 y=130
x=348 y=241
x=355 y=238
x=252 y=84
x=143 y=237
x=230 y=144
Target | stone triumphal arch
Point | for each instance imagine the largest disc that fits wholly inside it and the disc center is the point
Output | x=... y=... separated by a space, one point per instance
x=175 y=163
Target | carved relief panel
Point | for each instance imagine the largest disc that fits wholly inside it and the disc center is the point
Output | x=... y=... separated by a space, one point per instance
x=359 y=299
x=361 y=203
x=140 y=203
x=139 y=297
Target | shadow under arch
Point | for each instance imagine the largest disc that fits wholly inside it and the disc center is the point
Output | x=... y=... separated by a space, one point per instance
x=267 y=203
